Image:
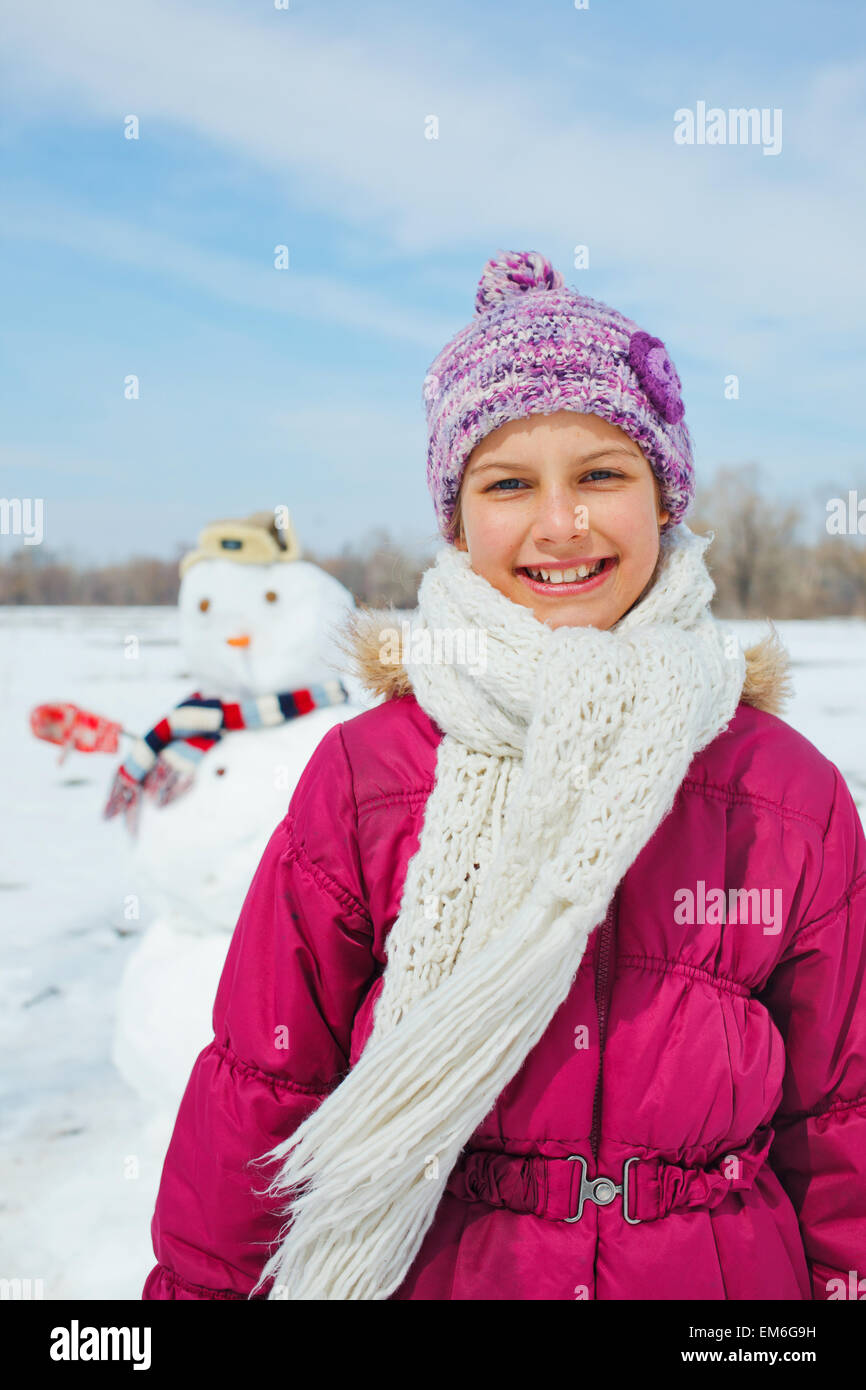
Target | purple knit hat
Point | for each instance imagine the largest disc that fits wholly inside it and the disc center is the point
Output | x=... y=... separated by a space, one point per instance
x=535 y=347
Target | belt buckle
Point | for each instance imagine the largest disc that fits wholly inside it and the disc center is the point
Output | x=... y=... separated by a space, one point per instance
x=602 y=1190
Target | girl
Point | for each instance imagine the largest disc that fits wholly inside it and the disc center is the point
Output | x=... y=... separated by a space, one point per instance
x=550 y=984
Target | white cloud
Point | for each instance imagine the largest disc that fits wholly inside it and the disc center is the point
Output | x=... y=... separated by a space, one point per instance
x=741 y=262
x=228 y=278
x=684 y=232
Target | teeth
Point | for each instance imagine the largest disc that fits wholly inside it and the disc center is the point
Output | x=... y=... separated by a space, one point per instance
x=565 y=576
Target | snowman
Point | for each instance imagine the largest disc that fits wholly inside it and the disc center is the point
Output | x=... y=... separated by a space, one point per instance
x=257 y=628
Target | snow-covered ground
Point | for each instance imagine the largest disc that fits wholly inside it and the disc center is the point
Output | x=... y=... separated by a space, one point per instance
x=80 y=1159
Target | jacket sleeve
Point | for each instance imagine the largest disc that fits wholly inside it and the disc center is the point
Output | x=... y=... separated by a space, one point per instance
x=817 y=997
x=298 y=966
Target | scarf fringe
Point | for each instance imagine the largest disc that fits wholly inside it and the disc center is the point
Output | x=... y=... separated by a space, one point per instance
x=377 y=1165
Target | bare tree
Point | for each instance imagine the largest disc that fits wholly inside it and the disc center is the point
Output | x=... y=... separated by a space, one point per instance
x=760 y=567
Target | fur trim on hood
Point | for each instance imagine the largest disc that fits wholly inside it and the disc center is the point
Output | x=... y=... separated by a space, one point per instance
x=767 y=685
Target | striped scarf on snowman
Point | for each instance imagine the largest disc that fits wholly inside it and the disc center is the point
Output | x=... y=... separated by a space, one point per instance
x=164 y=762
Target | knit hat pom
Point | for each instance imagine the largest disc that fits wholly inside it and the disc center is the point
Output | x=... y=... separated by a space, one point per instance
x=513 y=272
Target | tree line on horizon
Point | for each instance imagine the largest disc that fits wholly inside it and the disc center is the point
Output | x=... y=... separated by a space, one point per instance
x=761 y=565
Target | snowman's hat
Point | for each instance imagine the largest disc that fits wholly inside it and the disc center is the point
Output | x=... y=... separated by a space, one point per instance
x=264 y=538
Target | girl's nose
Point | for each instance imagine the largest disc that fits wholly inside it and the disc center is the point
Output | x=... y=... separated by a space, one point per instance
x=561 y=519
x=242 y=641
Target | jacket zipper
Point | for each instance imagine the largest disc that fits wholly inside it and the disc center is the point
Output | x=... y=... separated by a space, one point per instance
x=603 y=980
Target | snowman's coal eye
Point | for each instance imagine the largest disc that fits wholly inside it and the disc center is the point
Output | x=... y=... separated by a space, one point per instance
x=204 y=604
x=271 y=596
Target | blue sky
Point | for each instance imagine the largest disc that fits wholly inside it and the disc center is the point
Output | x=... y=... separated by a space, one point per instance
x=305 y=127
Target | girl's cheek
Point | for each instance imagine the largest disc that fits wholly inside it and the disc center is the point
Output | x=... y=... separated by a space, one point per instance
x=496 y=524
x=630 y=524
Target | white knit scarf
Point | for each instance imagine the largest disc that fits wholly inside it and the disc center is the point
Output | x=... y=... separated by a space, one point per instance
x=561 y=753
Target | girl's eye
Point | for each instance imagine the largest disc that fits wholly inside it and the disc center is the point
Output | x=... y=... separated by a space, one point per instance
x=271 y=596
x=501 y=481
x=204 y=604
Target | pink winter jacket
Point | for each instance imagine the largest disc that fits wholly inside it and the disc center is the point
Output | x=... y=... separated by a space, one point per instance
x=727 y=1061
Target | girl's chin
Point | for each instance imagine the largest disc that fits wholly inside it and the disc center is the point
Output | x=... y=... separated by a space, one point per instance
x=577 y=618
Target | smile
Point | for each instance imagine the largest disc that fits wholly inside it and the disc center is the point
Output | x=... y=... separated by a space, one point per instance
x=560 y=581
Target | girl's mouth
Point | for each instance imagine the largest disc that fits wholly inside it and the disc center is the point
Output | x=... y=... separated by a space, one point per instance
x=571 y=582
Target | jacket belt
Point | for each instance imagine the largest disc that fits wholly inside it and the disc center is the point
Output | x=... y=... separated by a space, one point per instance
x=558 y=1188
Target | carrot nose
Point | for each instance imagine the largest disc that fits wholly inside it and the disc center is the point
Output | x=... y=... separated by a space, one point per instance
x=243 y=641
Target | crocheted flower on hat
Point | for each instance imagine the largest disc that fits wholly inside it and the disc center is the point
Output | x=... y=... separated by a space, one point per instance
x=657 y=375
x=512 y=272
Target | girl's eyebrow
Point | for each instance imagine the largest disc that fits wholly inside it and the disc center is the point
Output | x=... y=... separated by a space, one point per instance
x=597 y=454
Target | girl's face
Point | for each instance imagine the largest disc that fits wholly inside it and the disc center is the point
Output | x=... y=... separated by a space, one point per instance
x=555 y=492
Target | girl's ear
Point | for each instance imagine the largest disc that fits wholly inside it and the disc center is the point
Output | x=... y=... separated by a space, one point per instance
x=663 y=514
